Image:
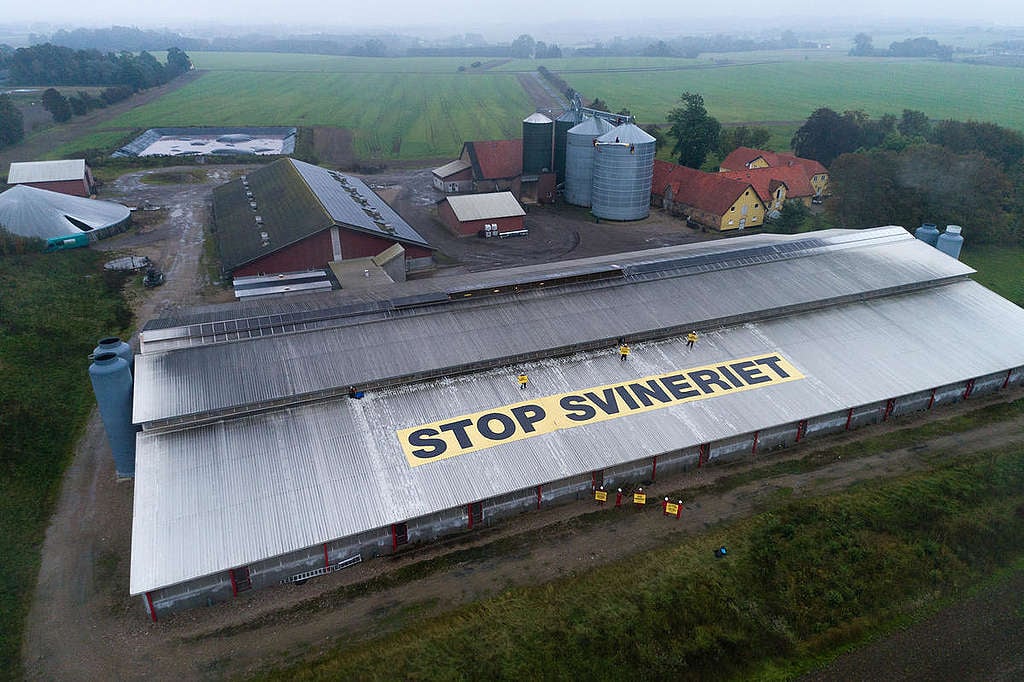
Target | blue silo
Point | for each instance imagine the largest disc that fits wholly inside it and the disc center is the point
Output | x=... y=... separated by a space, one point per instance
x=113 y=344
x=951 y=241
x=928 y=233
x=112 y=384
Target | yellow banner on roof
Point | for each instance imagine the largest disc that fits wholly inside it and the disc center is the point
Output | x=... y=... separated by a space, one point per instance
x=471 y=432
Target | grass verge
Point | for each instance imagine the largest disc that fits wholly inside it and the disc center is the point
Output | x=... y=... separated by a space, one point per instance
x=53 y=309
x=800 y=583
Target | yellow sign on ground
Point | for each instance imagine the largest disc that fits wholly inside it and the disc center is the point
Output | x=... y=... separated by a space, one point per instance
x=671 y=508
x=601 y=495
x=471 y=432
x=639 y=498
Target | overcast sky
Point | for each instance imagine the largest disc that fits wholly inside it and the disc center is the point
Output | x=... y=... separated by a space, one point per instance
x=460 y=16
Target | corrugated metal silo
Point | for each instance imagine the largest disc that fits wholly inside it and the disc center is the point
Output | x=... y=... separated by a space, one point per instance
x=537 y=129
x=112 y=384
x=623 y=171
x=113 y=344
x=579 y=159
x=563 y=124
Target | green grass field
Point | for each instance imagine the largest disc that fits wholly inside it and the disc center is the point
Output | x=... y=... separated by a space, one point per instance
x=54 y=308
x=1000 y=268
x=423 y=108
x=394 y=115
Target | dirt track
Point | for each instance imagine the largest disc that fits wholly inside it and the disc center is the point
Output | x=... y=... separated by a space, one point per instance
x=83 y=626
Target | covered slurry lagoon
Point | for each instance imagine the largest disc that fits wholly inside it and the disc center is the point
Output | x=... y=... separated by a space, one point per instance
x=207 y=141
x=255 y=466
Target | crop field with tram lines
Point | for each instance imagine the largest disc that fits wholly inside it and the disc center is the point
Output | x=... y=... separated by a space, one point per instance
x=424 y=108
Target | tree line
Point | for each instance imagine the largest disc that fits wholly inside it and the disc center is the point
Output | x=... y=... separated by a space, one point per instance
x=926 y=48
x=56 y=65
x=124 y=73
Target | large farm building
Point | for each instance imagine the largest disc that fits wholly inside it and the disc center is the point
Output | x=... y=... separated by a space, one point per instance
x=289 y=438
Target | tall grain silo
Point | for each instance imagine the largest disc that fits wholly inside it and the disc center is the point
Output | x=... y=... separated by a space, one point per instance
x=537 y=130
x=112 y=384
x=579 y=159
x=623 y=171
x=563 y=124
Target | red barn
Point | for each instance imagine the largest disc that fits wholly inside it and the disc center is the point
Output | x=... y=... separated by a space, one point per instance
x=67 y=176
x=470 y=213
x=291 y=216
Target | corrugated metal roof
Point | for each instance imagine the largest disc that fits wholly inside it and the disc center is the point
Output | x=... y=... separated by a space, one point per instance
x=237 y=491
x=708 y=288
x=40 y=213
x=452 y=167
x=46 y=171
x=343 y=196
x=485 y=206
x=627 y=132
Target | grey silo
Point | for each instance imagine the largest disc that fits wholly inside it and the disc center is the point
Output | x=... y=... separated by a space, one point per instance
x=112 y=383
x=537 y=131
x=623 y=172
x=563 y=124
x=579 y=159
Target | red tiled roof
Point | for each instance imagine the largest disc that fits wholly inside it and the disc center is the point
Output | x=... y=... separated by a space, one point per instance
x=495 y=159
x=798 y=183
x=711 y=192
x=738 y=159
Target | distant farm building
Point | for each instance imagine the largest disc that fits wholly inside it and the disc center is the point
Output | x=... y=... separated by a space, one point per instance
x=67 y=176
x=63 y=221
x=227 y=141
x=491 y=214
x=282 y=440
x=707 y=200
x=796 y=173
x=292 y=216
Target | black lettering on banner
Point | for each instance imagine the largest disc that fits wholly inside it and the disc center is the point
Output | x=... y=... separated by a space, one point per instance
x=751 y=374
x=631 y=403
x=773 y=362
x=483 y=425
x=421 y=438
x=644 y=392
x=528 y=415
x=577 y=404
x=676 y=383
x=730 y=376
x=459 y=429
x=609 y=405
x=705 y=378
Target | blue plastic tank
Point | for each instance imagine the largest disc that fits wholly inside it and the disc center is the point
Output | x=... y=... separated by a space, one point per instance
x=112 y=384
x=928 y=233
x=951 y=241
x=113 y=344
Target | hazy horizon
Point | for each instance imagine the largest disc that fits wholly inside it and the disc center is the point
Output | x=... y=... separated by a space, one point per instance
x=648 y=17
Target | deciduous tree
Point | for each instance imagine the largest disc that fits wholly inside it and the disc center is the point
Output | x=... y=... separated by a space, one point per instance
x=12 y=125
x=825 y=135
x=695 y=131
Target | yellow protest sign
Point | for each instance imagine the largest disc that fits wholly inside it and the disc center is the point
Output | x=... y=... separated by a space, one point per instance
x=456 y=436
x=639 y=498
x=672 y=508
x=601 y=495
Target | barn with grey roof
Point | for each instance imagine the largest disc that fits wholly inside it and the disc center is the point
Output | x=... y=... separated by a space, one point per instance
x=257 y=464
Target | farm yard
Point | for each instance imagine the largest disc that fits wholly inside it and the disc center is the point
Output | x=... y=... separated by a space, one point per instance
x=422 y=109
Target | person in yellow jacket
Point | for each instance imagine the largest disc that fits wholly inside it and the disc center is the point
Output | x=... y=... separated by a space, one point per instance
x=691 y=339
x=623 y=352
x=523 y=380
